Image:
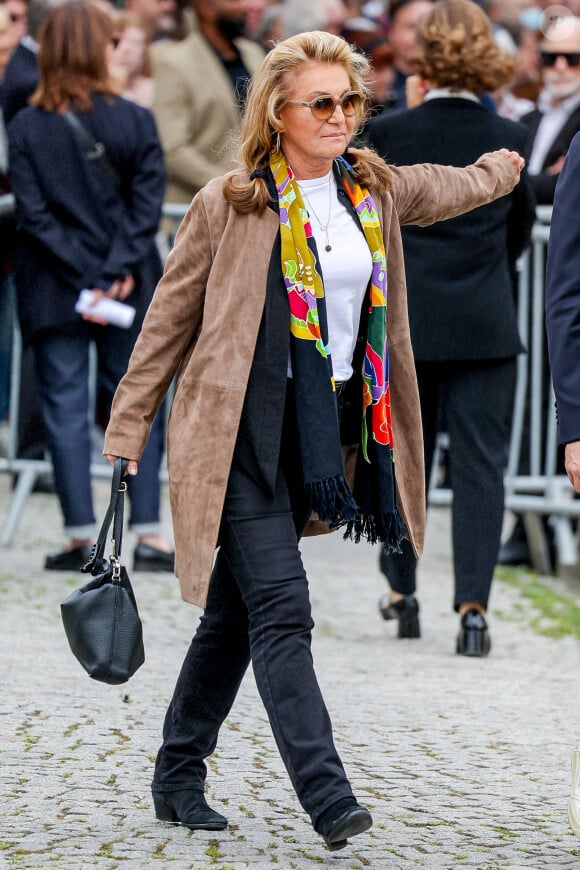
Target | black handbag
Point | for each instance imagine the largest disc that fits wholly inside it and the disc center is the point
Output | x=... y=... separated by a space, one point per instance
x=101 y=619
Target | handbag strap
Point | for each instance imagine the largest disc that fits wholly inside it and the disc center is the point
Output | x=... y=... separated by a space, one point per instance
x=95 y=150
x=114 y=514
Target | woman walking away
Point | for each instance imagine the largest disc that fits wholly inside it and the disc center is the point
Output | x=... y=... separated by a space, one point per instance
x=462 y=313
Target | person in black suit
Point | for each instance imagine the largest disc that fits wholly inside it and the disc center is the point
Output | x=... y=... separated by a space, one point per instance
x=556 y=120
x=85 y=221
x=552 y=126
x=461 y=305
x=562 y=310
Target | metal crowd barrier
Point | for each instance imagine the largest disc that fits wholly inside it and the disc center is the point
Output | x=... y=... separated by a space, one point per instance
x=543 y=492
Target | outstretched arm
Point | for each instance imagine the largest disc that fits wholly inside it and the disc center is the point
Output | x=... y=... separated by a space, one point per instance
x=426 y=193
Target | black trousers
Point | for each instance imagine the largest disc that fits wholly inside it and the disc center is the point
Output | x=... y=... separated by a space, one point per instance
x=477 y=398
x=258 y=608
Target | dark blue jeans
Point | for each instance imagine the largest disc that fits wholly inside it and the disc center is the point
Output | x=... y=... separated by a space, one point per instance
x=258 y=608
x=62 y=364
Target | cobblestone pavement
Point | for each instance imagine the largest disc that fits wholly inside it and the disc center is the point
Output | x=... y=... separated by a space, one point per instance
x=463 y=763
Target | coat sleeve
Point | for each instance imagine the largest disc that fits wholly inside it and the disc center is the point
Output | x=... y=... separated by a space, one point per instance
x=169 y=330
x=426 y=193
x=134 y=235
x=563 y=297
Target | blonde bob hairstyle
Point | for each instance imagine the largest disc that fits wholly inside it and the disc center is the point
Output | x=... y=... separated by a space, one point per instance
x=268 y=92
x=456 y=49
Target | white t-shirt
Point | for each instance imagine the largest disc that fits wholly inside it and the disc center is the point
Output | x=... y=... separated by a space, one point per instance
x=552 y=121
x=346 y=268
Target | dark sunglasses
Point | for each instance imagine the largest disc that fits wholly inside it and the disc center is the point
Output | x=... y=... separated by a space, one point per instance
x=549 y=58
x=324 y=107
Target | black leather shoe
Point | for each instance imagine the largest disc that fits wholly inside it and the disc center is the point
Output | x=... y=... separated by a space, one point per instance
x=148 y=558
x=69 y=560
x=339 y=822
x=188 y=808
x=406 y=610
x=515 y=550
x=473 y=638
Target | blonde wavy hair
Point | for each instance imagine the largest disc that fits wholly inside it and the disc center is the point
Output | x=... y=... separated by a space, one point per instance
x=268 y=92
x=456 y=49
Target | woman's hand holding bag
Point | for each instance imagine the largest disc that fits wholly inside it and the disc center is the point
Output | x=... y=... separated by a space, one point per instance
x=101 y=619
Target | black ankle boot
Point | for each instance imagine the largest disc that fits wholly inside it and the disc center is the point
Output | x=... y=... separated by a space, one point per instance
x=343 y=819
x=187 y=808
x=406 y=610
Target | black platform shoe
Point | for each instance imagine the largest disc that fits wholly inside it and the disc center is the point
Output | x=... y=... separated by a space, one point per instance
x=343 y=819
x=187 y=808
x=69 y=560
x=406 y=610
x=147 y=558
x=473 y=638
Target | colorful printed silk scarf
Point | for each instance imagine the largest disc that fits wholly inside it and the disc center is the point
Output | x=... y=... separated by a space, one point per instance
x=369 y=511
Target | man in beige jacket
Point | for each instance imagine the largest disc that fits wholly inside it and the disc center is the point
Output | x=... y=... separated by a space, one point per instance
x=200 y=86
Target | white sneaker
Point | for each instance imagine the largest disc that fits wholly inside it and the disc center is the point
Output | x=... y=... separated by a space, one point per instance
x=574 y=802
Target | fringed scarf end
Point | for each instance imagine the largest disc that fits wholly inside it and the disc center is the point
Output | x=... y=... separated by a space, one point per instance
x=387 y=529
x=332 y=500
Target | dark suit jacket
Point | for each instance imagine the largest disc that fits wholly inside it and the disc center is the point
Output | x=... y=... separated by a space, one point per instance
x=459 y=272
x=75 y=227
x=563 y=296
x=19 y=83
x=545 y=185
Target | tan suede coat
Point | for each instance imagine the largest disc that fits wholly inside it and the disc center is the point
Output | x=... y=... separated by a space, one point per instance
x=204 y=321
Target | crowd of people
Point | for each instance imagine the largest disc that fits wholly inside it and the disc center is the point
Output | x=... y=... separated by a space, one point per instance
x=304 y=135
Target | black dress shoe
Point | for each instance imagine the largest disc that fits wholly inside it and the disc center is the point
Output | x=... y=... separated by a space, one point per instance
x=406 y=610
x=69 y=560
x=341 y=820
x=473 y=638
x=188 y=808
x=515 y=550
x=148 y=558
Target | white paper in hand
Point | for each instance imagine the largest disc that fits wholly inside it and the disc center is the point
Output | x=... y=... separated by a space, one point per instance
x=114 y=312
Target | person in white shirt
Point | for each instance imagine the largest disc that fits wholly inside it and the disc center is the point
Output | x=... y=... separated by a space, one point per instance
x=556 y=119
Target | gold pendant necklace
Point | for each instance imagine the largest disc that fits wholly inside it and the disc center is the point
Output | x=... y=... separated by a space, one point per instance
x=323 y=226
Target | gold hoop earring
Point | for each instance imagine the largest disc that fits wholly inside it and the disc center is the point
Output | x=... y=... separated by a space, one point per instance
x=278 y=144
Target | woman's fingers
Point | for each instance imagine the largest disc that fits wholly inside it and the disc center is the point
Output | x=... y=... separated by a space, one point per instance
x=132 y=466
